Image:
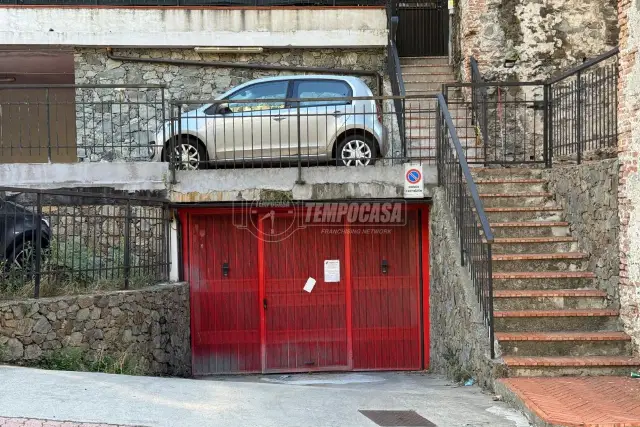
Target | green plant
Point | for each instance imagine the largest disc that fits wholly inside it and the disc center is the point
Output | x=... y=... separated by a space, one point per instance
x=77 y=359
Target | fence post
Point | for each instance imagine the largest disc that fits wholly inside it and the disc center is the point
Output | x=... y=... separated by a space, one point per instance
x=579 y=116
x=490 y=308
x=299 y=180
x=545 y=124
x=172 y=141
x=127 y=245
x=38 y=266
x=461 y=213
x=439 y=142
x=48 y=104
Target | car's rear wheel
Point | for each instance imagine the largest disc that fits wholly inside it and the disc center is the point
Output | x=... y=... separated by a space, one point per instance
x=189 y=154
x=356 y=150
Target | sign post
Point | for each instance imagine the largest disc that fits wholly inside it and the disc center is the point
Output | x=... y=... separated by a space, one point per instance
x=413 y=181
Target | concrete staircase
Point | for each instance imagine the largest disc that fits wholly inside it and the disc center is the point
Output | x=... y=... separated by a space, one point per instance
x=423 y=78
x=550 y=318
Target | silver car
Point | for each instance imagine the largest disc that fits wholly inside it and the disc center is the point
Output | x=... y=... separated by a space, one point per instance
x=279 y=119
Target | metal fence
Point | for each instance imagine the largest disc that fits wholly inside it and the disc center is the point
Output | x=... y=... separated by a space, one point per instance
x=504 y=122
x=467 y=209
x=165 y=3
x=69 y=123
x=560 y=119
x=347 y=131
x=583 y=106
x=57 y=242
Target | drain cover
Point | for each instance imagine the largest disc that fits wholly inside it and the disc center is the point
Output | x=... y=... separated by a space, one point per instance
x=397 y=418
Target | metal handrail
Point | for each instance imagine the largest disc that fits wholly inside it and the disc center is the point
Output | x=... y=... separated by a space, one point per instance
x=466 y=172
x=455 y=177
x=587 y=64
x=397 y=69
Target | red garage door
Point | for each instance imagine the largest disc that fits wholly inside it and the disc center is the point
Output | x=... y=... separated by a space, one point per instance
x=364 y=306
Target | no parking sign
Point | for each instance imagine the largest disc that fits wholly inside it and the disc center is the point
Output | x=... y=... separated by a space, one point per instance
x=413 y=181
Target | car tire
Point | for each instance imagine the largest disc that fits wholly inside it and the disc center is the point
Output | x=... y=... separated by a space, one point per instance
x=356 y=150
x=191 y=154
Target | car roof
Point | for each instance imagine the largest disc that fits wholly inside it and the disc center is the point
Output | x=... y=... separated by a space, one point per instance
x=355 y=82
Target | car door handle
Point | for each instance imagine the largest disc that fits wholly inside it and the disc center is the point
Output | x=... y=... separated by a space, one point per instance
x=279 y=118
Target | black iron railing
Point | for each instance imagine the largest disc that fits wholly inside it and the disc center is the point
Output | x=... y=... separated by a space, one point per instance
x=466 y=206
x=165 y=3
x=503 y=122
x=536 y=122
x=583 y=106
x=55 y=242
x=79 y=123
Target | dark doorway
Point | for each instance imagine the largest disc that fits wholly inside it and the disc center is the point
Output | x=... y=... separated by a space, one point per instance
x=37 y=123
x=423 y=28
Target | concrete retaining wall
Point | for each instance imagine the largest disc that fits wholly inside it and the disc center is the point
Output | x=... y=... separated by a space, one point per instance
x=150 y=326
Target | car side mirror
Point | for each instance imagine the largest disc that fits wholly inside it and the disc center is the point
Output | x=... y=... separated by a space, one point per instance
x=223 y=109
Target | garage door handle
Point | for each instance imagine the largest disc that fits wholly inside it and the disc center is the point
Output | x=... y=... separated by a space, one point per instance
x=279 y=119
x=264 y=303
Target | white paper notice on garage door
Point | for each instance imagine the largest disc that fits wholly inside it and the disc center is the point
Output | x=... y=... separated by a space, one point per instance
x=331 y=270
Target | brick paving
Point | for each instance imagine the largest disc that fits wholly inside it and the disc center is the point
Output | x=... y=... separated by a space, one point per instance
x=581 y=401
x=32 y=422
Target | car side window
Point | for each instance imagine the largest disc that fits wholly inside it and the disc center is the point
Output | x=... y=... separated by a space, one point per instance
x=267 y=91
x=322 y=89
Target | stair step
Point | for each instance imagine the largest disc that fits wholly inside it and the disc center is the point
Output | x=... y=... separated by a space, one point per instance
x=515 y=199
x=559 y=344
x=547 y=280
x=572 y=261
x=545 y=256
x=511 y=185
x=423 y=61
x=509 y=195
x=515 y=229
x=558 y=313
x=570 y=365
x=535 y=299
x=508 y=172
x=556 y=320
x=538 y=293
x=524 y=213
x=562 y=336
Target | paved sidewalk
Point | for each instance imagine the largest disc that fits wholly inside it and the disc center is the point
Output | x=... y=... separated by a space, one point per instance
x=32 y=422
x=580 y=401
x=245 y=401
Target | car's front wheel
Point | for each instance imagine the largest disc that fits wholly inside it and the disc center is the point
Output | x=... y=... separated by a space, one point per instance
x=356 y=150
x=189 y=154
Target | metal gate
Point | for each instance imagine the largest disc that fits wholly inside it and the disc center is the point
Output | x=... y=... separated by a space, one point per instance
x=423 y=28
x=250 y=312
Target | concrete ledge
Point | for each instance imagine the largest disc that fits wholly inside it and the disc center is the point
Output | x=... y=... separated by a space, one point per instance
x=120 y=176
x=320 y=183
x=181 y=27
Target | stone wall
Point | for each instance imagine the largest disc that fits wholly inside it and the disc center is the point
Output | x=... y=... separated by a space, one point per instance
x=587 y=194
x=459 y=337
x=151 y=326
x=117 y=124
x=628 y=149
x=543 y=37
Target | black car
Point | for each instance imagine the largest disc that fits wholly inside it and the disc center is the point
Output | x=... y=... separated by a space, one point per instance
x=18 y=234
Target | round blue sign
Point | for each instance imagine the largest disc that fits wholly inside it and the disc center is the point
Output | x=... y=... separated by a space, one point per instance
x=414 y=176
